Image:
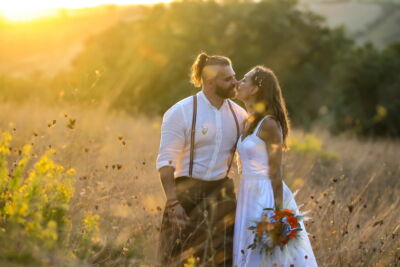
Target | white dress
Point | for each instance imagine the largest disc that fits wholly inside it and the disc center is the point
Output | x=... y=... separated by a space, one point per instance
x=256 y=193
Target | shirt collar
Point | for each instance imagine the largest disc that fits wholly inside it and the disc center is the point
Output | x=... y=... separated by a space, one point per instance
x=203 y=96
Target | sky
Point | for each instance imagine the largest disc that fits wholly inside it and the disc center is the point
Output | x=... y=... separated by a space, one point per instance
x=21 y=10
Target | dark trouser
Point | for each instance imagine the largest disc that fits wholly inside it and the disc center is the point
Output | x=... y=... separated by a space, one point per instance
x=208 y=235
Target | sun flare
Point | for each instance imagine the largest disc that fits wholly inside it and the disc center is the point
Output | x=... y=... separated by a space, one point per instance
x=22 y=10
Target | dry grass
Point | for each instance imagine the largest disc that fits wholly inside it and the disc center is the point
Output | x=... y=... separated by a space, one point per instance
x=354 y=201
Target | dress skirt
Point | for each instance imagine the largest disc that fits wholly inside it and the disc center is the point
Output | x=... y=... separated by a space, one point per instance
x=255 y=194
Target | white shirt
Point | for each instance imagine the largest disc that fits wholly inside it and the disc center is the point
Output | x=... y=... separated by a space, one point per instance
x=215 y=137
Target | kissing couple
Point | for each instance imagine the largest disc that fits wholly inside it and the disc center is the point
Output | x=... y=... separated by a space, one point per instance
x=200 y=135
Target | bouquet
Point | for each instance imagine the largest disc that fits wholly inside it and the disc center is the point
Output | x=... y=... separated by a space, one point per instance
x=277 y=228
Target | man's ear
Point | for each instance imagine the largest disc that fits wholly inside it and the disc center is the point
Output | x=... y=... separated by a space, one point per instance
x=210 y=82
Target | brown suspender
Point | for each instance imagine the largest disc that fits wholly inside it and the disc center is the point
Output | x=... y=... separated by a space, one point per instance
x=237 y=137
x=192 y=134
x=193 y=131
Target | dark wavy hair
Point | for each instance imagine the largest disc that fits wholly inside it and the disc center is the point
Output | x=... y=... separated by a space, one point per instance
x=270 y=97
x=204 y=60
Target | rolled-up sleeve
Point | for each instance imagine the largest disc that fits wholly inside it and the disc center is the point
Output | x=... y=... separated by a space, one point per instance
x=172 y=137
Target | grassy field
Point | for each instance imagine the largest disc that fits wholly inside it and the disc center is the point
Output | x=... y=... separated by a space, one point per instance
x=350 y=186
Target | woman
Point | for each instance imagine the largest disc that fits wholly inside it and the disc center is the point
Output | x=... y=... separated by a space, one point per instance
x=260 y=147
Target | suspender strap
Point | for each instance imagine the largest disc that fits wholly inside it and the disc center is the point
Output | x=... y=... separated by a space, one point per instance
x=192 y=135
x=193 y=131
x=237 y=136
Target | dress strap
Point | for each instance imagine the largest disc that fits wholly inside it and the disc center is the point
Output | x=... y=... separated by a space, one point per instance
x=257 y=129
x=192 y=134
x=237 y=137
x=260 y=122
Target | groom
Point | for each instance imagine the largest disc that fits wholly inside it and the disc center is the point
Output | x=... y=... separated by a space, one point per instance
x=198 y=142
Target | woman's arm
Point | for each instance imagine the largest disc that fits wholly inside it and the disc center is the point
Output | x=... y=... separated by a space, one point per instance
x=270 y=133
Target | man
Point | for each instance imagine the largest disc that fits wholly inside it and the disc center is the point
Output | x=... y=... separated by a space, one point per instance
x=198 y=140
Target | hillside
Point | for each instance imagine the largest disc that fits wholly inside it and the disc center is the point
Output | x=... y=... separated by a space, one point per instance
x=48 y=45
x=374 y=21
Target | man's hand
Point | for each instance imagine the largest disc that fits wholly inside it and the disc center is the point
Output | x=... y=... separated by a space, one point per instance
x=177 y=215
x=176 y=212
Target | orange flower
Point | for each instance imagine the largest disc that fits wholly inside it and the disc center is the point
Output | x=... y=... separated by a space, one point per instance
x=278 y=215
x=292 y=221
x=270 y=226
x=293 y=234
x=261 y=227
x=288 y=211
x=264 y=227
x=274 y=230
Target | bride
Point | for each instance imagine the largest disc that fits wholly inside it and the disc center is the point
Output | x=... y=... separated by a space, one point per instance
x=260 y=148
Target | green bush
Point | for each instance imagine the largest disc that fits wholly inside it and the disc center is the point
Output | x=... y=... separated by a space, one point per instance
x=311 y=147
x=34 y=206
x=366 y=90
x=144 y=65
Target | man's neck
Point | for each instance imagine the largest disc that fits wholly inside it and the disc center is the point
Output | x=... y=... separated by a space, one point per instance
x=215 y=100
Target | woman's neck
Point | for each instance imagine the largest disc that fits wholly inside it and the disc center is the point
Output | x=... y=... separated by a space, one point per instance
x=253 y=108
x=250 y=106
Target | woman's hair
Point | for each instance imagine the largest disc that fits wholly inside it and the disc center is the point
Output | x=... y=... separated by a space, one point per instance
x=204 y=60
x=269 y=97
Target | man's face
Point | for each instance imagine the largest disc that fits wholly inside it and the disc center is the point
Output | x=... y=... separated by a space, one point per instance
x=225 y=82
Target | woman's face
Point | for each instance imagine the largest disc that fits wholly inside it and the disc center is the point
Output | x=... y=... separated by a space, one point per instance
x=246 y=88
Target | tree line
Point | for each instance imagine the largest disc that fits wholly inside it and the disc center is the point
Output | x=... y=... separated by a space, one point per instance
x=143 y=65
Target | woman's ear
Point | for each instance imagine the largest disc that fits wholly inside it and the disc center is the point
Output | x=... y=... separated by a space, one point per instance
x=254 y=90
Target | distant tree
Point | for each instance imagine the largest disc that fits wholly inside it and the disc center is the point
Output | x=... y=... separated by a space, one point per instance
x=146 y=62
x=143 y=65
x=367 y=91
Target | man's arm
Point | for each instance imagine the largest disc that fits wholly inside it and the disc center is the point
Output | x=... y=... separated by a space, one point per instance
x=171 y=145
x=167 y=180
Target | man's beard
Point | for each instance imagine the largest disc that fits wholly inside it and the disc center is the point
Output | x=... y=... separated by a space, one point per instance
x=225 y=92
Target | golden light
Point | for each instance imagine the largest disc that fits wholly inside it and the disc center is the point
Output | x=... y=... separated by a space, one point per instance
x=22 y=10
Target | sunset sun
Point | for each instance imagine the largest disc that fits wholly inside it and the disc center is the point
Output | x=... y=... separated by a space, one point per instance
x=22 y=10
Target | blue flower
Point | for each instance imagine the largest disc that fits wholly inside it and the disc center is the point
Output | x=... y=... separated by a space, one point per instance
x=287 y=229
